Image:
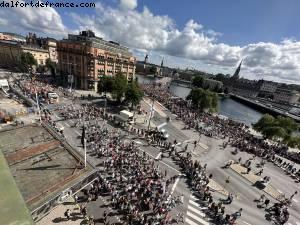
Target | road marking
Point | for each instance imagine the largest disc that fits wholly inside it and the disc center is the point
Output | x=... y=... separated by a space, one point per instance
x=197 y=218
x=246 y=222
x=57 y=117
x=158 y=156
x=171 y=167
x=77 y=132
x=295 y=200
x=196 y=211
x=138 y=142
x=279 y=191
x=194 y=203
x=68 y=124
x=193 y=197
x=174 y=186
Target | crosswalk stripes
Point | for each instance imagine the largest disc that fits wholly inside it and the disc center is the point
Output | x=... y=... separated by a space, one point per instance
x=194 y=216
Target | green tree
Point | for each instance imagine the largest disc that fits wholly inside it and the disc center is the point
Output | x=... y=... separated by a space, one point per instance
x=50 y=65
x=133 y=94
x=203 y=99
x=152 y=69
x=106 y=84
x=27 y=61
x=119 y=87
x=277 y=128
x=198 y=81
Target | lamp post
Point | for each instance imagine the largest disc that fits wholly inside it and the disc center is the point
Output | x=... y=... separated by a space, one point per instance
x=84 y=153
x=38 y=106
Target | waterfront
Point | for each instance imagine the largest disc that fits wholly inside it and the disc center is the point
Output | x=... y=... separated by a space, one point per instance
x=227 y=106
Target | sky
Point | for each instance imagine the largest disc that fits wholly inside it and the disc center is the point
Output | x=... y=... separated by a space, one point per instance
x=208 y=35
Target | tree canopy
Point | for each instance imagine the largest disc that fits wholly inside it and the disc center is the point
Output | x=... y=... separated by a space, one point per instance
x=203 y=99
x=119 y=87
x=198 y=81
x=279 y=128
x=133 y=94
x=27 y=60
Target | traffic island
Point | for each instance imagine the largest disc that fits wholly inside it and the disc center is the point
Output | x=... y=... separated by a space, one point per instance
x=213 y=185
x=257 y=181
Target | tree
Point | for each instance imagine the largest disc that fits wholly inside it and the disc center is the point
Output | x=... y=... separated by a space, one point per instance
x=119 y=87
x=106 y=84
x=133 y=94
x=203 y=99
x=27 y=61
x=277 y=128
x=198 y=81
x=152 y=69
x=51 y=66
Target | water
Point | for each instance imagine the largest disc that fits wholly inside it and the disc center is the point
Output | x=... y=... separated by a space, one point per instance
x=227 y=106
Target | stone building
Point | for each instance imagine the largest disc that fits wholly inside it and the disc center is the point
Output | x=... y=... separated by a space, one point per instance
x=87 y=58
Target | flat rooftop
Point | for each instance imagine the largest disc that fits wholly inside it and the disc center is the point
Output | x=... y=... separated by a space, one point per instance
x=41 y=166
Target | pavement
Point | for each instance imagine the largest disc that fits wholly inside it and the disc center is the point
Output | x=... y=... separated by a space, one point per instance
x=254 y=179
x=57 y=214
x=210 y=151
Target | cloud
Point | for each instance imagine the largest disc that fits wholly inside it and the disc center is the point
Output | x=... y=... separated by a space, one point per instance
x=193 y=44
x=45 y=21
x=128 y=4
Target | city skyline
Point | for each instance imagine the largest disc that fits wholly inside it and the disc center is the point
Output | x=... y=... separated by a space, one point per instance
x=206 y=40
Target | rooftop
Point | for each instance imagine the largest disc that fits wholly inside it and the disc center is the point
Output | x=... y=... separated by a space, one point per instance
x=41 y=165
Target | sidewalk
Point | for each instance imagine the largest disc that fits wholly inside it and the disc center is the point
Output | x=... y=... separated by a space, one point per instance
x=56 y=216
x=252 y=178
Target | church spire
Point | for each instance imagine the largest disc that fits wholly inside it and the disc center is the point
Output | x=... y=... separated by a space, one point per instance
x=236 y=73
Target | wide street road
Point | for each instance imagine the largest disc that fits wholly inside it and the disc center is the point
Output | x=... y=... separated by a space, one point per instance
x=208 y=151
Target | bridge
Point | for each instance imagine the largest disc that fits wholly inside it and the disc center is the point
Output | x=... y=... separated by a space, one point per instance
x=264 y=107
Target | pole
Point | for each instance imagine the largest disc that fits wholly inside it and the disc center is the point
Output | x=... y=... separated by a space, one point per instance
x=84 y=153
x=38 y=106
x=152 y=109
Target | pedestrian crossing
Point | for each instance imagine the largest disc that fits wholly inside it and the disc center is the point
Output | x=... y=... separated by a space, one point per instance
x=194 y=215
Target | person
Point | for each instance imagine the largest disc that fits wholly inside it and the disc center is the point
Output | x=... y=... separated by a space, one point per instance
x=267 y=202
x=104 y=216
x=248 y=170
x=262 y=198
x=229 y=198
x=292 y=196
x=238 y=213
x=68 y=214
x=259 y=172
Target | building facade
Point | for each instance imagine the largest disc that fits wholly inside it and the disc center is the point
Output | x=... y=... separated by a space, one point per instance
x=49 y=44
x=10 y=53
x=286 y=96
x=88 y=58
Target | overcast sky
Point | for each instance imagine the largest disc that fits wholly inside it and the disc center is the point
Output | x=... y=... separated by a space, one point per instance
x=209 y=35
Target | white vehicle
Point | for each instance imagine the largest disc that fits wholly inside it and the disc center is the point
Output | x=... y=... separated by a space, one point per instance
x=53 y=97
x=125 y=116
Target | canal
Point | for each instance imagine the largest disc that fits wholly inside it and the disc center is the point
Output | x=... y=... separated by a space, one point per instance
x=226 y=107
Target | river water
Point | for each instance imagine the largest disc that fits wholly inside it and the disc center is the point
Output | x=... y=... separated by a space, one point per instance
x=226 y=107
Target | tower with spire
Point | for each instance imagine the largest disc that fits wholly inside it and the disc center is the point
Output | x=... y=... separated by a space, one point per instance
x=237 y=71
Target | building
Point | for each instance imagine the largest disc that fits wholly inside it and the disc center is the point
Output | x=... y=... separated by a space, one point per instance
x=267 y=88
x=286 y=96
x=10 y=53
x=236 y=75
x=88 y=58
x=48 y=44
